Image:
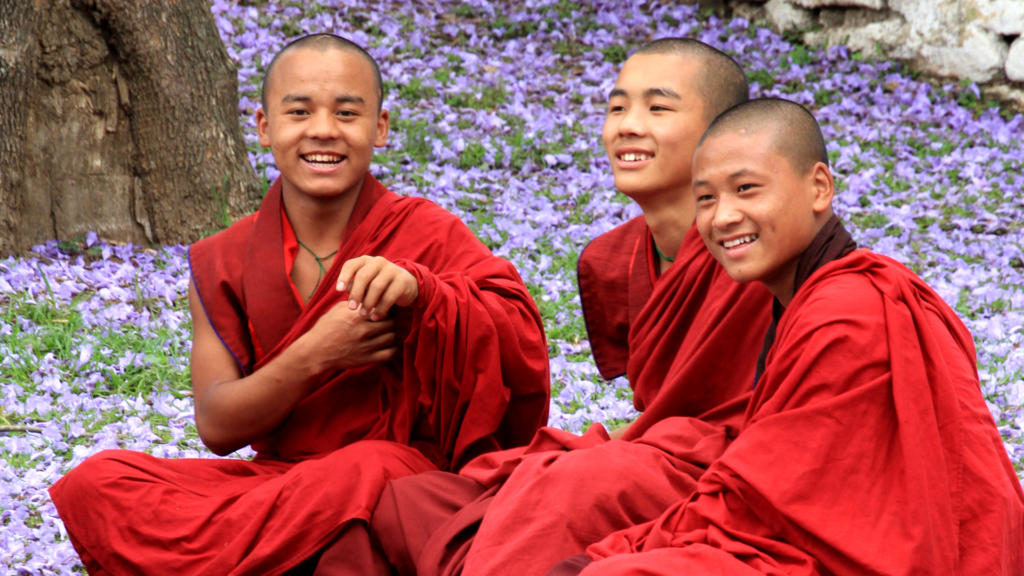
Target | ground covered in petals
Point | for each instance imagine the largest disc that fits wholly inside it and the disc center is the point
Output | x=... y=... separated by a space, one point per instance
x=497 y=109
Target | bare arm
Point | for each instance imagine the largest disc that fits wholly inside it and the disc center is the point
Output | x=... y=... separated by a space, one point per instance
x=233 y=411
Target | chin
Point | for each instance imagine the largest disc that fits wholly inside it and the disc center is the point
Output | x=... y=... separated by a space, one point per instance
x=740 y=275
x=636 y=187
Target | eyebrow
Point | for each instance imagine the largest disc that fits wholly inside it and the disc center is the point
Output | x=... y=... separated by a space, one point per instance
x=649 y=93
x=737 y=174
x=666 y=92
x=347 y=98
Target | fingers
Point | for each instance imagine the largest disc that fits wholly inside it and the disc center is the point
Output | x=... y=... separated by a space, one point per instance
x=375 y=285
x=381 y=327
x=386 y=301
x=364 y=270
x=348 y=270
x=379 y=287
x=383 y=355
x=386 y=340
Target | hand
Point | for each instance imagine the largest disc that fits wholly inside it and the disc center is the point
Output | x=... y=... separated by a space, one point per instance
x=342 y=338
x=375 y=285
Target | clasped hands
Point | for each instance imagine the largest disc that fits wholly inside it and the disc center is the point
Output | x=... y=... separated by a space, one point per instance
x=358 y=331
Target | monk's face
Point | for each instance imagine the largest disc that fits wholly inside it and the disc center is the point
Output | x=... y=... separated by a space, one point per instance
x=655 y=119
x=755 y=212
x=321 y=120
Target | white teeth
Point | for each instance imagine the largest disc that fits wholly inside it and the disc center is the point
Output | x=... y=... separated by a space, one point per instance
x=738 y=241
x=322 y=158
x=630 y=157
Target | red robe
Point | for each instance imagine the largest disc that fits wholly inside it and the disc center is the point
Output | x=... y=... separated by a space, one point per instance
x=867 y=449
x=692 y=351
x=472 y=378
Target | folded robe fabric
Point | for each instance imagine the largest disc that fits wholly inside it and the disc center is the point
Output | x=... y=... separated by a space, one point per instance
x=867 y=449
x=615 y=276
x=692 y=353
x=472 y=377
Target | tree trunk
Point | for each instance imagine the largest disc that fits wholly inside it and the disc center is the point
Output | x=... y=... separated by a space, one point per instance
x=119 y=116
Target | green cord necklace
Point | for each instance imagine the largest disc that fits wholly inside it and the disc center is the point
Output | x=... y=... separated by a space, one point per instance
x=319 y=262
x=665 y=258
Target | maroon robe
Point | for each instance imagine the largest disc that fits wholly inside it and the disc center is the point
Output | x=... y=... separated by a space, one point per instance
x=692 y=353
x=867 y=448
x=472 y=377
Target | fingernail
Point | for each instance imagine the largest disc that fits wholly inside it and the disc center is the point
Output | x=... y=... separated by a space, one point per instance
x=352 y=304
x=363 y=312
x=341 y=286
x=374 y=317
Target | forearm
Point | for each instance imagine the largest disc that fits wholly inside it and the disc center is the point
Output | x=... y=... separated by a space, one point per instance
x=236 y=413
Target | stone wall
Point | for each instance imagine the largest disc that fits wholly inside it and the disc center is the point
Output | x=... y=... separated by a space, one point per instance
x=979 y=40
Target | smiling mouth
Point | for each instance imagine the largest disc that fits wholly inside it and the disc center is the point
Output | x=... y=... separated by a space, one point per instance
x=322 y=160
x=635 y=157
x=739 y=241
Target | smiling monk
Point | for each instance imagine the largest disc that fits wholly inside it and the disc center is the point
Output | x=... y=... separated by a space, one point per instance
x=867 y=447
x=350 y=335
x=657 y=307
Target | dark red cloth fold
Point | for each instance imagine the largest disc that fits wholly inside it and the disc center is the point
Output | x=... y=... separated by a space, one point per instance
x=617 y=263
x=867 y=448
x=472 y=377
x=692 y=349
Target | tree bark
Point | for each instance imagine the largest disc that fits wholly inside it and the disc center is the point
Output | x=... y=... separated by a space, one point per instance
x=119 y=116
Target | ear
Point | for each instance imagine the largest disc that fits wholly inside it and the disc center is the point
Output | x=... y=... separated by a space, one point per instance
x=824 y=188
x=383 y=124
x=263 y=128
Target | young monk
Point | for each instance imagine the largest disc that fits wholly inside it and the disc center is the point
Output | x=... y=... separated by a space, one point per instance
x=693 y=336
x=867 y=447
x=350 y=335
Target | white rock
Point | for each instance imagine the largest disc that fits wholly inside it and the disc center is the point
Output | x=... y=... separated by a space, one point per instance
x=1004 y=17
x=872 y=4
x=935 y=22
x=979 y=58
x=1015 y=61
x=784 y=16
x=890 y=35
x=751 y=12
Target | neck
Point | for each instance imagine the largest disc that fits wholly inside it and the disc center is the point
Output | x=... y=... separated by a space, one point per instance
x=829 y=241
x=319 y=222
x=782 y=285
x=670 y=216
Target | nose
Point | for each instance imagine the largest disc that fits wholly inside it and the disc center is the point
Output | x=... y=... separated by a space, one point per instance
x=323 y=126
x=727 y=213
x=632 y=123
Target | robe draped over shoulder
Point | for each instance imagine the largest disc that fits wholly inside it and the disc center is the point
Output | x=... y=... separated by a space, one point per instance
x=471 y=377
x=615 y=268
x=867 y=448
x=692 y=353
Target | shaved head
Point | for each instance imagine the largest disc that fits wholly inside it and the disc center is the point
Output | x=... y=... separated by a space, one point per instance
x=323 y=43
x=721 y=82
x=795 y=133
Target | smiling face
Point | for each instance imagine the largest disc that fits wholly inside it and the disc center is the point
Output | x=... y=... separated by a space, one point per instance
x=321 y=120
x=755 y=212
x=655 y=119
